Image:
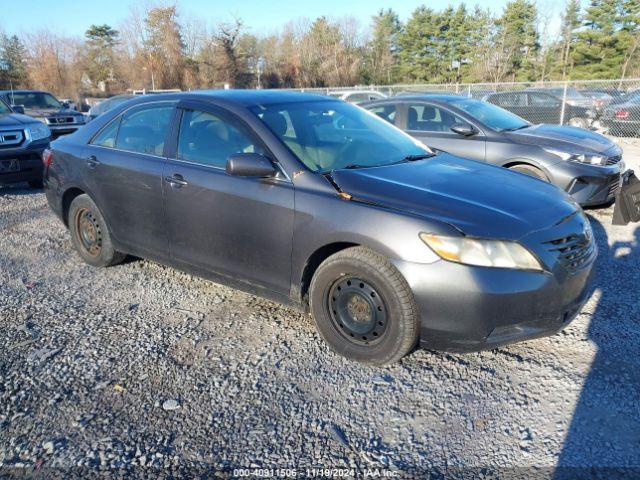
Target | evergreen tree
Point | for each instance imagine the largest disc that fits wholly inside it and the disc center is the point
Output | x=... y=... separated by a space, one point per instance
x=598 y=52
x=13 y=62
x=101 y=41
x=518 y=39
x=570 y=22
x=383 y=49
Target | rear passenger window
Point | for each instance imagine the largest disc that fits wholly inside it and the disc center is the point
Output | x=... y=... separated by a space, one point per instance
x=209 y=140
x=143 y=129
x=107 y=137
x=385 y=112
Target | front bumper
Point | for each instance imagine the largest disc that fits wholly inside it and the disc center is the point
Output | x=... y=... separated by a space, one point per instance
x=587 y=184
x=465 y=308
x=29 y=163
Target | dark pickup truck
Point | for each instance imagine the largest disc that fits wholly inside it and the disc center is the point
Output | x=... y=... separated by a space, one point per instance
x=43 y=106
x=22 y=141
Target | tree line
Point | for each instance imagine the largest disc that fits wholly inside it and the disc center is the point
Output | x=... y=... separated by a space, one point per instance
x=160 y=48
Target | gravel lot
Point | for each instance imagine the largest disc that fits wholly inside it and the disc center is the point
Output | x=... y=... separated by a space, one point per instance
x=140 y=364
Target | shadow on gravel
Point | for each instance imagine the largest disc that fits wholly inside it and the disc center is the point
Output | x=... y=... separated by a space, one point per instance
x=603 y=440
x=18 y=189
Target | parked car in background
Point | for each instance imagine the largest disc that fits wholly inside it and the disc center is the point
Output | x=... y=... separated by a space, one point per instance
x=357 y=96
x=107 y=105
x=22 y=141
x=318 y=204
x=46 y=108
x=600 y=99
x=623 y=118
x=585 y=164
x=571 y=95
x=542 y=107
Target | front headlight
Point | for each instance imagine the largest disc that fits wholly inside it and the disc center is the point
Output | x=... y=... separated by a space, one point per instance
x=597 y=160
x=37 y=131
x=481 y=252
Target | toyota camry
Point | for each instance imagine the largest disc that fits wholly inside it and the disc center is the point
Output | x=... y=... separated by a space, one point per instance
x=321 y=205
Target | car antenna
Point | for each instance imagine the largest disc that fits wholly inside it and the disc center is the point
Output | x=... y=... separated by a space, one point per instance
x=13 y=100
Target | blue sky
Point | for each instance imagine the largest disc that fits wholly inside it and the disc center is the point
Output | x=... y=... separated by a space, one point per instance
x=73 y=17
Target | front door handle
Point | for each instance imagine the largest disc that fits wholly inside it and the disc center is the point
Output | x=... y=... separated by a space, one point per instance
x=92 y=161
x=176 y=180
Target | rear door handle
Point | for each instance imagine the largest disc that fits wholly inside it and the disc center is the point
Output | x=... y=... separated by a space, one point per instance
x=176 y=180
x=92 y=161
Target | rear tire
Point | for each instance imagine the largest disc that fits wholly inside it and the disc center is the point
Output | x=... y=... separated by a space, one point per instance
x=363 y=307
x=530 y=170
x=90 y=233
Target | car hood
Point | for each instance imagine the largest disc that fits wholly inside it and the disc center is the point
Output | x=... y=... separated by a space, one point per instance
x=15 y=120
x=479 y=199
x=51 y=112
x=571 y=139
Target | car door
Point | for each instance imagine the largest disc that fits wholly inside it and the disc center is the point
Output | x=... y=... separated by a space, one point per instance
x=123 y=167
x=236 y=226
x=431 y=124
x=543 y=108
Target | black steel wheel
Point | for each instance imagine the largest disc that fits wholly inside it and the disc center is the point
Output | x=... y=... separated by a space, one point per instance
x=357 y=310
x=363 y=307
x=90 y=233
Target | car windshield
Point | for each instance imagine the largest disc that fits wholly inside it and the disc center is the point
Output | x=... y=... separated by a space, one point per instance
x=4 y=108
x=330 y=135
x=34 y=100
x=491 y=115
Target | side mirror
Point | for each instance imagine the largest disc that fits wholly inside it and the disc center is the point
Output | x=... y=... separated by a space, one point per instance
x=65 y=105
x=463 y=129
x=18 y=108
x=250 y=165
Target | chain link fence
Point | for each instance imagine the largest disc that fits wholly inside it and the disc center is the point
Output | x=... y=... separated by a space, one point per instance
x=608 y=106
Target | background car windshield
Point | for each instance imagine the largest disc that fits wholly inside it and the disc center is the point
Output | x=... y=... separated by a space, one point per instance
x=35 y=100
x=492 y=116
x=328 y=135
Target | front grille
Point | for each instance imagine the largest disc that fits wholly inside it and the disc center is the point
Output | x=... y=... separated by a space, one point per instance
x=11 y=138
x=614 y=186
x=575 y=250
x=61 y=120
x=613 y=160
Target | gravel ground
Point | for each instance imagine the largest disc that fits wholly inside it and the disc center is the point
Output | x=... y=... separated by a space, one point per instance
x=142 y=365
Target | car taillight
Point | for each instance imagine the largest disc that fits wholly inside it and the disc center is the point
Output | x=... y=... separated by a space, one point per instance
x=47 y=158
x=622 y=114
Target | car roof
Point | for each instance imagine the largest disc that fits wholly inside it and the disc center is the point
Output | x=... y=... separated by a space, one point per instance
x=250 y=98
x=5 y=92
x=438 y=97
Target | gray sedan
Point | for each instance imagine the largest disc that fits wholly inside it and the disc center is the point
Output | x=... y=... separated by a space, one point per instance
x=585 y=164
x=318 y=204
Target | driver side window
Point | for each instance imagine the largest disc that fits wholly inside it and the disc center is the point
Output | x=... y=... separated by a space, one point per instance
x=208 y=139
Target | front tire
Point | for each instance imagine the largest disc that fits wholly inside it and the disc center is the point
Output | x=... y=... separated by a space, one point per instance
x=90 y=233
x=363 y=307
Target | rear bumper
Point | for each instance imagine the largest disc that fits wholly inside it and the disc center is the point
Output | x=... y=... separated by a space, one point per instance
x=466 y=308
x=29 y=163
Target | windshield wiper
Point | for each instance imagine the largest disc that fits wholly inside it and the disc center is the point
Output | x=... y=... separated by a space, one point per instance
x=352 y=166
x=513 y=129
x=414 y=157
